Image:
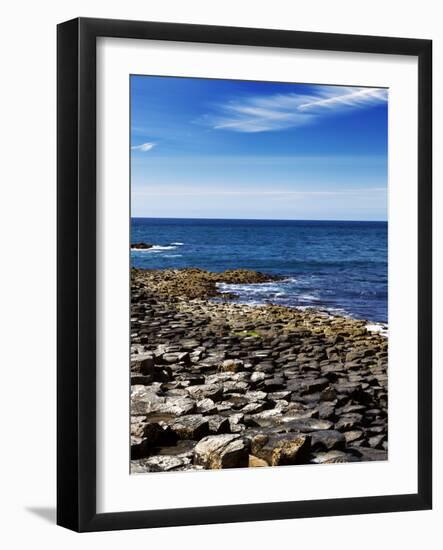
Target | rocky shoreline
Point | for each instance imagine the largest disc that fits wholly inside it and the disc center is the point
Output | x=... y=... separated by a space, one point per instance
x=217 y=384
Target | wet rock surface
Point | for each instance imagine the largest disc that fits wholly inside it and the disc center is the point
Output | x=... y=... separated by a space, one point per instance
x=217 y=384
x=141 y=246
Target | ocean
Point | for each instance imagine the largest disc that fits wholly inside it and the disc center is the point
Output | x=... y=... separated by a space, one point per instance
x=338 y=266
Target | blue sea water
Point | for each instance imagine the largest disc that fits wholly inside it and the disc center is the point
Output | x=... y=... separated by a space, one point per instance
x=340 y=266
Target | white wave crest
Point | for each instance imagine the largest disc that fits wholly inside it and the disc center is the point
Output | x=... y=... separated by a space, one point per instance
x=378 y=327
x=154 y=248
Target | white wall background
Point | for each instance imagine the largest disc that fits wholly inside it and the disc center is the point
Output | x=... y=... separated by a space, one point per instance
x=27 y=289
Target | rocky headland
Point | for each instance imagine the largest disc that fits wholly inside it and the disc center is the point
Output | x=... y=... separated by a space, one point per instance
x=141 y=246
x=218 y=384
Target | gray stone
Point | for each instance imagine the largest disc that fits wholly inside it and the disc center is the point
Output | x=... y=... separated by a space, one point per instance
x=352 y=435
x=235 y=386
x=306 y=424
x=348 y=422
x=332 y=457
x=192 y=426
x=143 y=362
x=161 y=463
x=141 y=379
x=256 y=395
x=213 y=391
x=218 y=424
x=281 y=449
x=206 y=406
x=368 y=454
x=327 y=440
x=232 y=365
x=171 y=406
x=257 y=377
x=222 y=451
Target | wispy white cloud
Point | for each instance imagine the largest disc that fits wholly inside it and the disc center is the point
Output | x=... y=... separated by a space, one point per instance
x=282 y=111
x=201 y=191
x=144 y=147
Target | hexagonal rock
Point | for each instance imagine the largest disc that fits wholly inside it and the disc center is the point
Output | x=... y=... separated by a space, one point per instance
x=327 y=440
x=206 y=406
x=333 y=457
x=231 y=365
x=255 y=462
x=163 y=463
x=191 y=426
x=281 y=449
x=348 y=422
x=222 y=451
x=143 y=399
x=306 y=424
x=310 y=386
x=257 y=377
x=212 y=391
x=218 y=424
x=143 y=362
x=148 y=436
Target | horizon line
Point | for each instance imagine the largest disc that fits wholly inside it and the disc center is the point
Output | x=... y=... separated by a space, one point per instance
x=253 y=219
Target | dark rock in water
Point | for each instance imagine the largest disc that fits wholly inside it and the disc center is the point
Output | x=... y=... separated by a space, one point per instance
x=197 y=283
x=327 y=440
x=222 y=451
x=192 y=426
x=281 y=449
x=141 y=246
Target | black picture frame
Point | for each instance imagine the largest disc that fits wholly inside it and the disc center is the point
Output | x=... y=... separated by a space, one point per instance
x=76 y=282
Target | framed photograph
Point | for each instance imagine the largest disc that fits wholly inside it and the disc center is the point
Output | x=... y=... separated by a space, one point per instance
x=244 y=274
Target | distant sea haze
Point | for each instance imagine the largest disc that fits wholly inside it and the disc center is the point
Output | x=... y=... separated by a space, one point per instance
x=339 y=266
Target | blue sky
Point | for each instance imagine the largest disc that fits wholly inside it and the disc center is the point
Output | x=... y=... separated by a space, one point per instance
x=205 y=148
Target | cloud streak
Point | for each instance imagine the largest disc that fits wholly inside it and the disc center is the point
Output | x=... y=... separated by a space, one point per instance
x=144 y=147
x=283 y=111
x=201 y=191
